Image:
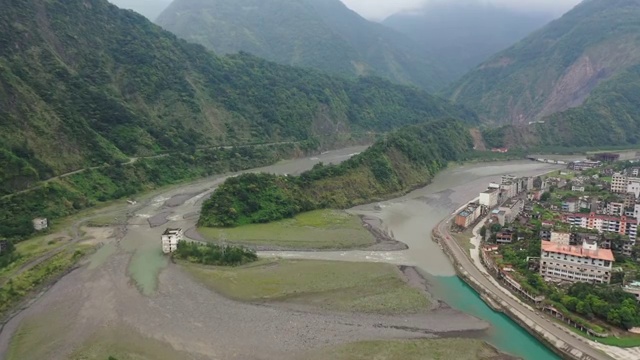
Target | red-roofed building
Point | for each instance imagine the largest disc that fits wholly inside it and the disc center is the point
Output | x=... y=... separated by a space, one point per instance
x=584 y=263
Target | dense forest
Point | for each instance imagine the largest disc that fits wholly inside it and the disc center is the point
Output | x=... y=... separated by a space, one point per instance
x=68 y=195
x=83 y=83
x=403 y=160
x=319 y=34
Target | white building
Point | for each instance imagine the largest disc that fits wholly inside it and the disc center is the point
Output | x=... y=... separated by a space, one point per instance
x=633 y=288
x=577 y=188
x=170 y=239
x=634 y=187
x=40 y=224
x=584 y=263
x=619 y=183
x=615 y=209
x=489 y=198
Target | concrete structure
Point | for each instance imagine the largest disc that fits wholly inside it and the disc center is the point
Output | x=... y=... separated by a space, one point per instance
x=584 y=263
x=499 y=216
x=577 y=188
x=468 y=215
x=622 y=184
x=505 y=236
x=512 y=209
x=170 y=239
x=509 y=190
x=489 y=198
x=560 y=238
x=474 y=274
x=634 y=188
x=633 y=288
x=570 y=205
x=40 y=224
x=584 y=165
x=615 y=209
x=604 y=223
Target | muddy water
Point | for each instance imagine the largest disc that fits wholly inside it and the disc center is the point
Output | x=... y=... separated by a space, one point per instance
x=409 y=218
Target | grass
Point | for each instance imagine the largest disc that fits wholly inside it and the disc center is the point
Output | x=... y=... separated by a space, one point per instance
x=464 y=239
x=33 y=340
x=625 y=341
x=322 y=229
x=21 y=285
x=432 y=349
x=125 y=344
x=330 y=285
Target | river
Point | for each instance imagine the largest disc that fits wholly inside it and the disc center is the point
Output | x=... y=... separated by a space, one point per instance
x=412 y=217
x=130 y=283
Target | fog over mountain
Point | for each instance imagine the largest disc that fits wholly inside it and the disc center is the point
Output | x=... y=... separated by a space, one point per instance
x=380 y=9
x=461 y=34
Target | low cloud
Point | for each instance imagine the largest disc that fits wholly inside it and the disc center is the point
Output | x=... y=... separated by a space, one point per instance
x=380 y=9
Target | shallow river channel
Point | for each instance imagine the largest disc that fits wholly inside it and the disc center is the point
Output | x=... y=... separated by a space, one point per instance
x=129 y=284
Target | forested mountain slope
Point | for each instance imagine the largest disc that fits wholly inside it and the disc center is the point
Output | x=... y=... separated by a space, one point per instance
x=321 y=34
x=403 y=160
x=558 y=67
x=463 y=34
x=84 y=83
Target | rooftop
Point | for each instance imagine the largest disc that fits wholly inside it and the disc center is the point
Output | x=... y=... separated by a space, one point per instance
x=603 y=217
x=490 y=191
x=170 y=231
x=579 y=251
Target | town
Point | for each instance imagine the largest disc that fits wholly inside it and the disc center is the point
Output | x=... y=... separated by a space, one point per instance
x=565 y=242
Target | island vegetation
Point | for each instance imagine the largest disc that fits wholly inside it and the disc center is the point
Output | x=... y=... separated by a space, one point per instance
x=402 y=160
x=212 y=254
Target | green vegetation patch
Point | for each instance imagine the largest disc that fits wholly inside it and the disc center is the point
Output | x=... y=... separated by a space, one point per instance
x=330 y=285
x=19 y=286
x=405 y=159
x=124 y=344
x=322 y=229
x=432 y=349
x=212 y=254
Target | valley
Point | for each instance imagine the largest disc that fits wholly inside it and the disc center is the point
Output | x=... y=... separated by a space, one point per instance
x=130 y=285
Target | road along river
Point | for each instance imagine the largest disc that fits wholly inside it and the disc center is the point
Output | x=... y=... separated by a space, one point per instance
x=412 y=217
x=129 y=284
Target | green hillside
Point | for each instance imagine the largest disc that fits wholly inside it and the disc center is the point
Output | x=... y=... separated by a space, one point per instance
x=558 y=67
x=405 y=159
x=83 y=83
x=320 y=34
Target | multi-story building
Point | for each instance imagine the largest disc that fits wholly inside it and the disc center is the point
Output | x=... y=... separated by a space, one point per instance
x=505 y=236
x=584 y=263
x=605 y=223
x=633 y=288
x=623 y=184
x=584 y=165
x=634 y=188
x=570 y=205
x=489 y=198
x=468 y=215
x=615 y=209
x=509 y=190
x=170 y=240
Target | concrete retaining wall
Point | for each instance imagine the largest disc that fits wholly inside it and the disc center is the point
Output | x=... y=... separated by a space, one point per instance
x=556 y=345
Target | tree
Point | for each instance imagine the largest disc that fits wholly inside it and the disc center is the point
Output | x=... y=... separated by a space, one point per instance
x=483 y=231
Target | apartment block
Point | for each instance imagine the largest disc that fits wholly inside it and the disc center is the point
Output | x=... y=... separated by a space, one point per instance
x=604 y=223
x=584 y=263
x=489 y=197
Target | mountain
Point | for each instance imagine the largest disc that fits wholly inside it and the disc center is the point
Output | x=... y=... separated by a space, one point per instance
x=149 y=8
x=463 y=34
x=558 y=67
x=403 y=160
x=84 y=83
x=320 y=34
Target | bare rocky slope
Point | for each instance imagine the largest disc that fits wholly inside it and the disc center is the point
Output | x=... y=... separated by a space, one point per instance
x=557 y=68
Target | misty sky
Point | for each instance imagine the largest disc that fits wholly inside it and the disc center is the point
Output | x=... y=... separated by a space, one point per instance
x=380 y=9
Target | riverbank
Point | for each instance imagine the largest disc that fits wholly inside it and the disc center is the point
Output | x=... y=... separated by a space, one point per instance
x=558 y=340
